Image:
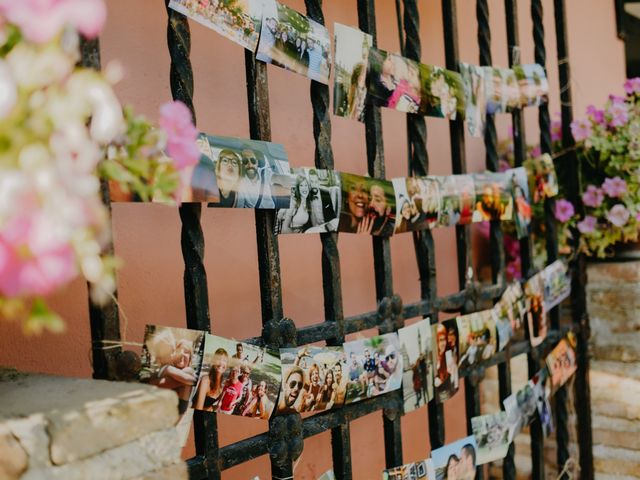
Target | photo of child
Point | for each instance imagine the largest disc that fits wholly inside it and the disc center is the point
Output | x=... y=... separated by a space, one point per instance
x=350 y=72
x=494 y=200
x=368 y=205
x=477 y=337
x=374 y=367
x=393 y=81
x=417 y=359
x=238 y=379
x=445 y=359
x=314 y=379
x=458 y=199
x=293 y=41
x=442 y=93
x=417 y=203
x=456 y=461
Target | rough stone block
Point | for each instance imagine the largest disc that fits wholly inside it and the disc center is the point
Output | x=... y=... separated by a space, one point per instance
x=618 y=461
x=13 y=458
x=172 y=472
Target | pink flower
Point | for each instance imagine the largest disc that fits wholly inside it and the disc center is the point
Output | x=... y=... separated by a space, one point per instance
x=514 y=270
x=33 y=261
x=616 y=99
x=175 y=119
x=614 y=187
x=618 y=215
x=42 y=20
x=618 y=114
x=632 y=85
x=588 y=224
x=536 y=151
x=581 y=129
x=595 y=114
x=556 y=131
x=593 y=196
x=563 y=210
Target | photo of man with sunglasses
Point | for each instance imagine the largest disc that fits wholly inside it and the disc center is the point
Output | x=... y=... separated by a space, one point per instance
x=255 y=181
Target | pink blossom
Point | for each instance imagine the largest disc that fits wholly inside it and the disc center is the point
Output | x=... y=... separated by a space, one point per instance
x=536 y=151
x=618 y=215
x=588 y=224
x=556 y=131
x=632 y=85
x=41 y=20
x=175 y=119
x=596 y=114
x=581 y=129
x=593 y=196
x=563 y=210
x=616 y=99
x=618 y=114
x=614 y=187
x=33 y=261
x=514 y=270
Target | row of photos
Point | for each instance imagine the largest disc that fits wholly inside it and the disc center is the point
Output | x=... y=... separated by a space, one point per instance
x=216 y=374
x=238 y=173
x=364 y=74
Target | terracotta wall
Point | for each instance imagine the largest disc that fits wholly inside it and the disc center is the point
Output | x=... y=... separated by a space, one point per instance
x=147 y=237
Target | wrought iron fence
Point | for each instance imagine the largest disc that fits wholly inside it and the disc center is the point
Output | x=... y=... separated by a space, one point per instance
x=284 y=440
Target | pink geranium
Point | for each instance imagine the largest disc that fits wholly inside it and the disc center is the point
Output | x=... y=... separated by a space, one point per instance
x=175 y=120
x=618 y=215
x=614 y=187
x=581 y=129
x=596 y=115
x=632 y=85
x=593 y=196
x=33 y=262
x=41 y=20
x=556 y=130
x=618 y=113
x=564 y=210
x=588 y=224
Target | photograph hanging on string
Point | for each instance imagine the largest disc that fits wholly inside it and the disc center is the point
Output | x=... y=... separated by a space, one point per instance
x=237 y=20
x=557 y=284
x=494 y=200
x=513 y=305
x=543 y=182
x=457 y=199
x=393 y=81
x=536 y=313
x=417 y=359
x=475 y=101
x=533 y=84
x=417 y=203
x=314 y=205
x=248 y=173
x=238 y=379
x=521 y=406
x=492 y=436
x=444 y=348
x=501 y=90
x=457 y=460
x=441 y=93
x=368 y=205
x=350 y=71
x=294 y=42
x=477 y=338
x=541 y=385
x=374 y=366
x=422 y=470
x=172 y=358
x=561 y=361
x=314 y=379
x=521 y=200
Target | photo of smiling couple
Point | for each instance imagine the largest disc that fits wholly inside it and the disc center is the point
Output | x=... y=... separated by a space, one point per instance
x=368 y=205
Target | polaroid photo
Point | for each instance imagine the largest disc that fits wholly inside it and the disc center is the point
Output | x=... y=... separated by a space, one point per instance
x=350 y=71
x=533 y=84
x=368 y=205
x=492 y=436
x=458 y=199
x=374 y=367
x=417 y=203
x=417 y=376
x=477 y=338
x=504 y=329
x=512 y=304
x=314 y=379
x=521 y=200
x=444 y=349
x=494 y=90
x=238 y=379
x=542 y=391
x=248 y=173
x=172 y=358
x=294 y=42
x=456 y=460
x=473 y=79
x=422 y=470
x=393 y=81
x=239 y=21
x=314 y=205
x=494 y=200
x=510 y=90
x=521 y=407
x=543 y=182
x=561 y=361
x=442 y=93
x=536 y=313
x=557 y=284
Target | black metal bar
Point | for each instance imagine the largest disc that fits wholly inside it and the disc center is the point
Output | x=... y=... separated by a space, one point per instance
x=582 y=393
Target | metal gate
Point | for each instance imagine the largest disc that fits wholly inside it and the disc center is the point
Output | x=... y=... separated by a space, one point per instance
x=284 y=440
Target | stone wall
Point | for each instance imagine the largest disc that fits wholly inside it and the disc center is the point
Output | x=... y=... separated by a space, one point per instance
x=66 y=428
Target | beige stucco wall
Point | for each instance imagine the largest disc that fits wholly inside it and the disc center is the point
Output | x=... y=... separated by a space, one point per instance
x=147 y=237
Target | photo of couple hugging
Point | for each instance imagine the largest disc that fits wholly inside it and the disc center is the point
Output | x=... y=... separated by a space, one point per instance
x=418 y=203
x=237 y=379
x=374 y=365
x=446 y=359
x=315 y=203
x=313 y=379
x=456 y=461
x=368 y=205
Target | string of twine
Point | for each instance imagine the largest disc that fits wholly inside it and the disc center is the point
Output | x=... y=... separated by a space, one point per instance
x=111 y=344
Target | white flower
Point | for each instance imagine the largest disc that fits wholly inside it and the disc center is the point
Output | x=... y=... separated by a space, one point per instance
x=35 y=68
x=8 y=90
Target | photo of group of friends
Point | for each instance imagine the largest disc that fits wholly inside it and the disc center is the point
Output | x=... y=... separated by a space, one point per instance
x=541 y=172
x=294 y=42
x=457 y=460
x=368 y=205
x=314 y=379
x=557 y=284
x=477 y=337
x=417 y=203
x=445 y=359
x=314 y=204
x=417 y=377
x=561 y=361
x=422 y=470
x=492 y=436
x=494 y=198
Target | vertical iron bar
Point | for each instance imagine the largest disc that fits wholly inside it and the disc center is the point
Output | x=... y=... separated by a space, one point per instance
x=578 y=267
x=381 y=245
x=192 y=239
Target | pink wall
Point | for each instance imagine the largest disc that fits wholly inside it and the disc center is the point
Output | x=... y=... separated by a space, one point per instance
x=147 y=237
